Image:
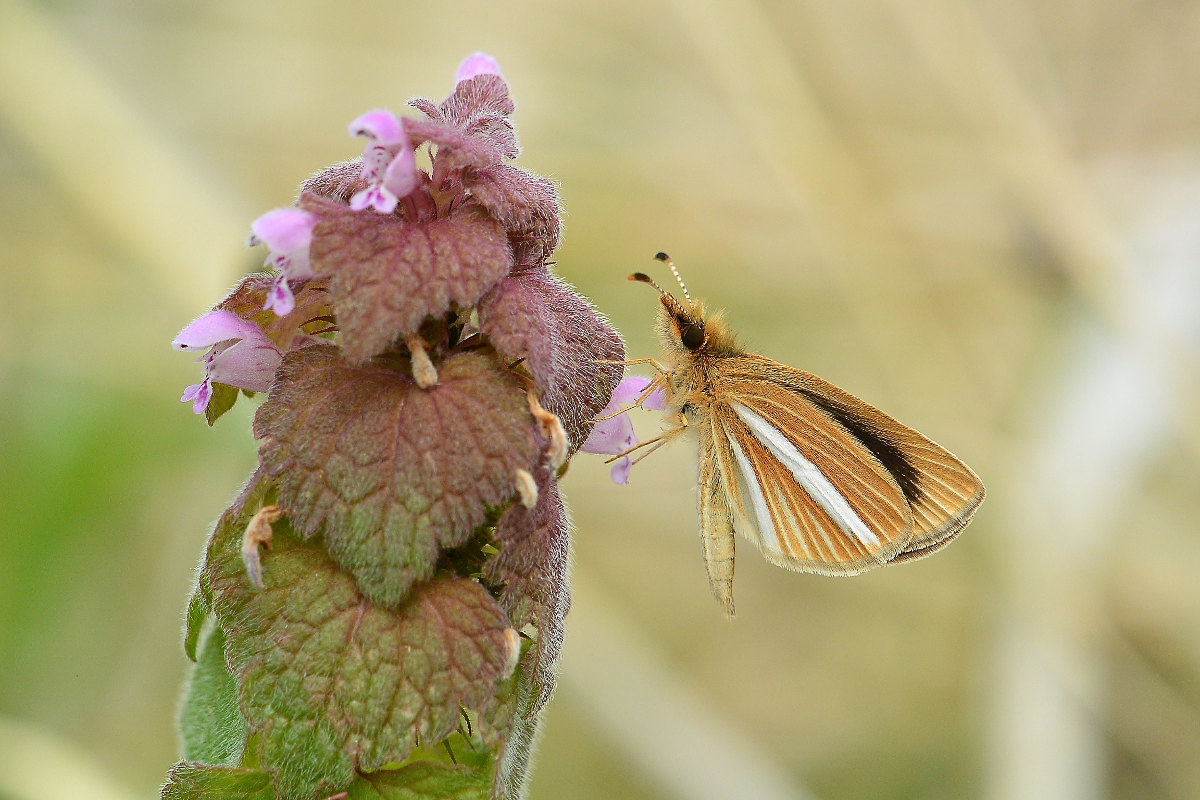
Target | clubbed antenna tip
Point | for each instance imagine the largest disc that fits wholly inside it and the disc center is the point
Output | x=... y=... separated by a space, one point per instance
x=644 y=278
x=666 y=259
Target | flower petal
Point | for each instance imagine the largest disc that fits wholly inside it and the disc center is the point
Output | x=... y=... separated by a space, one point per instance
x=376 y=197
x=620 y=471
x=375 y=159
x=247 y=364
x=630 y=389
x=400 y=178
x=611 y=436
x=284 y=229
x=213 y=327
x=379 y=125
x=296 y=265
x=655 y=401
x=280 y=297
x=199 y=394
x=476 y=64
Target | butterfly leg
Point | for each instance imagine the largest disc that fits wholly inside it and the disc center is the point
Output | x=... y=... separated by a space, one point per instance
x=665 y=437
x=659 y=382
x=653 y=362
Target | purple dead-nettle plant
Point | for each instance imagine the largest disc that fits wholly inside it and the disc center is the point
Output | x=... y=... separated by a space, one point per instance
x=379 y=612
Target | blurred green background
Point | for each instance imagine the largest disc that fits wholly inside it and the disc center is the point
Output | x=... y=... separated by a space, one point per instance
x=982 y=217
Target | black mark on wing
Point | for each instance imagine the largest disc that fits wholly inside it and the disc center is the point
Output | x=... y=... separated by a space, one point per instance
x=887 y=451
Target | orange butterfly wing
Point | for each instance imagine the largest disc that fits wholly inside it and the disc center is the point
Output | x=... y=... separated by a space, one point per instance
x=824 y=482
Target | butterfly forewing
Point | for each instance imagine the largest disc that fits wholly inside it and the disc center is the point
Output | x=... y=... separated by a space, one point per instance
x=866 y=474
x=942 y=491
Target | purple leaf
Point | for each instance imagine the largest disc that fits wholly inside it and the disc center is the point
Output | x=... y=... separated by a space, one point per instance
x=339 y=182
x=480 y=108
x=532 y=569
x=534 y=315
x=527 y=205
x=388 y=274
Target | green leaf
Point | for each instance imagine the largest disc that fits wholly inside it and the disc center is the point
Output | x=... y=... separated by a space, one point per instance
x=423 y=781
x=511 y=722
x=394 y=474
x=188 y=781
x=255 y=493
x=197 y=611
x=331 y=681
x=212 y=727
x=223 y=398
x=387 y=274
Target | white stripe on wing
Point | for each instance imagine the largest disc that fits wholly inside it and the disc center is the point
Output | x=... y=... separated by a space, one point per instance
x=819 y=487
x=766 y=528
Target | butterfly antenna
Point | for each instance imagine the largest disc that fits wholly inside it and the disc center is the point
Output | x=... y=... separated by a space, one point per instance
x=668 y=299
x=666 y=259
x=642 y=277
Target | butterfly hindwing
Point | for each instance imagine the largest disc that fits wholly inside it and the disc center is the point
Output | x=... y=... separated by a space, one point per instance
x=716 y=518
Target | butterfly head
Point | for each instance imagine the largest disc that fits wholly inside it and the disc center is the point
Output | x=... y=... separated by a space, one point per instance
x=685 y=319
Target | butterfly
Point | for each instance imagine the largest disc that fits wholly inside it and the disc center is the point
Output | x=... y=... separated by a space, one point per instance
x=819 y=480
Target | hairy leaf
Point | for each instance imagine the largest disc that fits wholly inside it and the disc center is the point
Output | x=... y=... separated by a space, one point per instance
x=527 y=205
x=531 y=564
x=332 y=682
x=189 y=781
x=391 y=472
x=246 y=300
x=511 y=722
x=479 y=107
x=197 y=612
x=387 y=274
x=255 y=493
x=534 y=315
x=423 y=781
x=338 y=182
x=212 y=727
x=456 y=149
x=532 y=569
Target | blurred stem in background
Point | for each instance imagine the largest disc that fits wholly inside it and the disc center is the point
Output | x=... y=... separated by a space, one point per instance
x=36 y=763
x=108 y=159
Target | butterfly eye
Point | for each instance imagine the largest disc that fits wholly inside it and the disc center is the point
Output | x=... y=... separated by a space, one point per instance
x=691 y=335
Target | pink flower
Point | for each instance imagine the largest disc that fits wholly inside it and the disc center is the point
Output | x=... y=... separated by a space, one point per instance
x=389 y=164
x=612 y=437
x=287 y=232
x=476 y=64
x=239 y=355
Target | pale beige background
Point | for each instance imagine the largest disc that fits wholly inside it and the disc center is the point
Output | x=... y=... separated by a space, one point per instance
x=983 y=217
